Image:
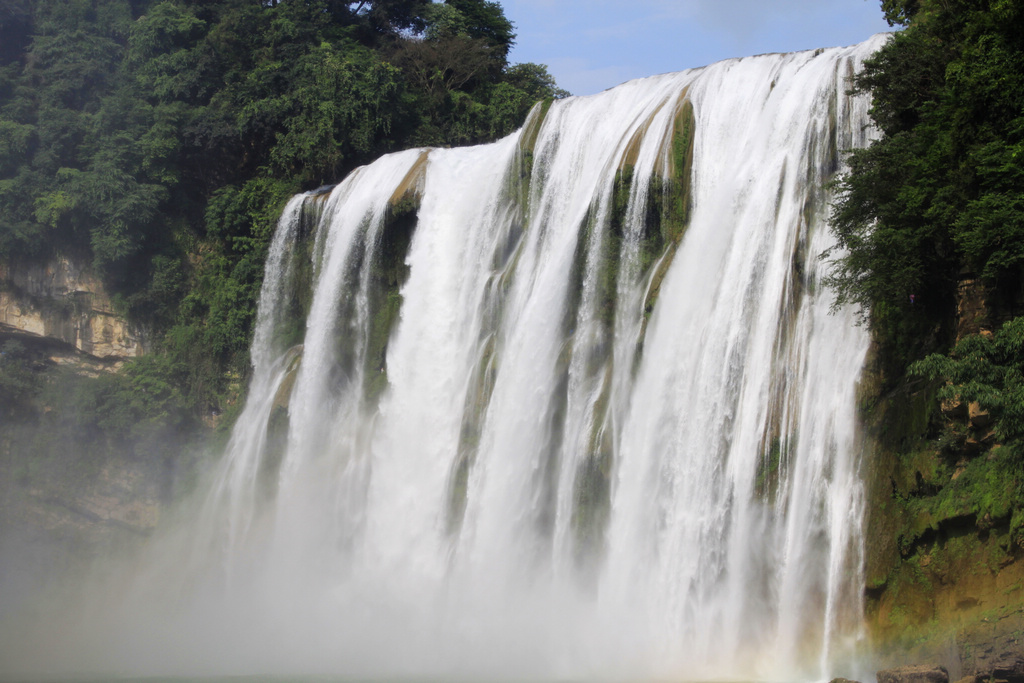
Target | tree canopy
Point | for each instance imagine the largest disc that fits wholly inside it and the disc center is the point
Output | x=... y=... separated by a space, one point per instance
x=158 y=139
x=940 y=197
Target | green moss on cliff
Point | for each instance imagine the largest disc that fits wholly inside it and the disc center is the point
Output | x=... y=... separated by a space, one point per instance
x=481 y=386
x=592 y=487
x=388 y=272
x=678 y=189
x=943 y=552
x=675 y=192
x=527 y=144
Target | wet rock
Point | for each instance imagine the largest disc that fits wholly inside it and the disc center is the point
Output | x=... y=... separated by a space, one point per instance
x=914 y=674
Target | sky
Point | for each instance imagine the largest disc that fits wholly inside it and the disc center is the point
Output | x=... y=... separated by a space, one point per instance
x=592 y=45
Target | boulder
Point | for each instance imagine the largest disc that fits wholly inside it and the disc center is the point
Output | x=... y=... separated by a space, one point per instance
x=979 y=418
x=914 y=674
x=1008 y=667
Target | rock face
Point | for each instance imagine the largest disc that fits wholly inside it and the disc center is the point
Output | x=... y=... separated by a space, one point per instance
x=914 y=674
x=971 y=309
x=979 y=418
x=990 y=662
x=62 y=301
x=998 y=656
x=59 y=511
x=52 y=523
x=944 y=565
x=1009 y=667
x=122 y=497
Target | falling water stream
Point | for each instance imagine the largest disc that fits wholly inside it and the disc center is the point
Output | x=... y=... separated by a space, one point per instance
x=567 y=405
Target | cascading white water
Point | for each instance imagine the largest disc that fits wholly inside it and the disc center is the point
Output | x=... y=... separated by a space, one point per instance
x=569 y=404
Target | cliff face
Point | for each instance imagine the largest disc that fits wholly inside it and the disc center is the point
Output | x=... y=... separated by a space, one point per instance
x=60 y=515
x=66 y=495
x=60 y=300
x=946 y=588
x=945 y=543
x=85 y=506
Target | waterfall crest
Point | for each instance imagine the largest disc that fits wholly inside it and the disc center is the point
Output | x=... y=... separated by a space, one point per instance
x=568 y=404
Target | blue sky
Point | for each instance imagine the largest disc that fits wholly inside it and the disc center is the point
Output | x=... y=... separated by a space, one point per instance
x=591 y=45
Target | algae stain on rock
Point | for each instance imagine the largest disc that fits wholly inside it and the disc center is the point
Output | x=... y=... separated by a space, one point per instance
x=675 y=189
x=388 y=272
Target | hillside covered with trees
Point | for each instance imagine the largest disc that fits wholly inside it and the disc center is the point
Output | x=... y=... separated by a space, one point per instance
x=156 y=141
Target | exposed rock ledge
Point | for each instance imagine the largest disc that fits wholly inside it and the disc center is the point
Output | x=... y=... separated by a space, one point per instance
x=914 y=674
x=1007 y=667
x=61 y=300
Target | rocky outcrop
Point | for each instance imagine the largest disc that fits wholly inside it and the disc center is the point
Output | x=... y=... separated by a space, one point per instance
x=987 y=663
x=914 y=674
x=123 y=496
x=56 y=515
x=61 y=300
x=971 y=310
x=993 y=652
x=944 y=558
x=979 y=418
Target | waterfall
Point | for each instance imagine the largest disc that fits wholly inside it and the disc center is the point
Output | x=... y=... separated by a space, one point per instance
x=568 y=404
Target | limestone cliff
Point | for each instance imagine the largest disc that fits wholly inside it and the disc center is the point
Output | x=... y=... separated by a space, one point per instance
x=61 y=300
x=66 y=493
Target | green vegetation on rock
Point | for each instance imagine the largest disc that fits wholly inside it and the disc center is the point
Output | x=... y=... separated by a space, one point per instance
x=929 y=223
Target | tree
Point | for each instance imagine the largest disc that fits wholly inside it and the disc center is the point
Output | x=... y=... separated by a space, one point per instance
x=938 y=197
x=988 y=370
x=899 y=12
x=486 y=21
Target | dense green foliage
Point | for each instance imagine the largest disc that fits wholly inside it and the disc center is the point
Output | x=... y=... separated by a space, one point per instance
x=930 y=226
x=981 y=385
x=157 y=140
x=985 y=372
x=989 y=371
x=941 y=196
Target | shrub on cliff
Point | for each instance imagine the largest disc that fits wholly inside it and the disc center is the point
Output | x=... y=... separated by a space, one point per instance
x=987 y=370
